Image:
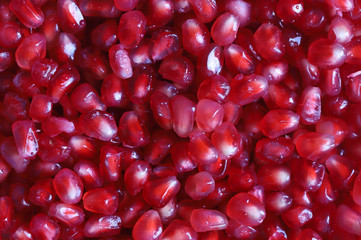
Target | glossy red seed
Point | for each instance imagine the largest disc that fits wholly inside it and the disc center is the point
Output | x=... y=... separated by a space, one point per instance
x=278 y=202
x=210 y=62
x=177 y=69
x=93 y=61
x=165 y=42
x=28 y=12
x=246 y=209
x=131 y=30
x=110 y=160
x=331 y=82
x=279 y=122
x=199 y=185
x=7 y=214
x=135 y=176
x=342 y=5
x=30 y=48
x=308 y=174
x=159 y=192
x=309 y=105
x=126 y=5
x=25 y=138
x=98 y=124
x=68 y=214
x=140 y=86
x=148 y=226
x=195 y=36
x=82 y=146
x=113 y=92
x=89 y=174
x=209 y=115
x=42 y=193
x=102 y=226
x=54 y=126
x=101 y=200
x=204 y=220
x=63 y=81
x=183 y=110
x=22 y=232
x=120 y=62
x=224 y=29
x=10 y=34
x=352 y=55
x=277 y=150
x=160 y=12
x=341 y=30
x=4 y=170
x=238 y=59
x=201 y=149
x=54 y=149
x=168 y=212
x=297 y=216
x=42 y=70
x=215 y=88
x=341 y=171
x=312 y=20
x=66 y=47
x=68 y=186
x=70 y=18
x=180 y=158
x=11 y=155
x=274 y=177
x=85 y=98
x=353 y=86
x=132 y=130
x=105 y=34
x=43 y=227
x=225 y=139
x=268 y=41
x=314 y=145
x=326 y=54
x=241 y=179
x=239 y=231
x=205 y=10
x=289 y=10
x=241 y=9
x=94 y=8
x=356 y=191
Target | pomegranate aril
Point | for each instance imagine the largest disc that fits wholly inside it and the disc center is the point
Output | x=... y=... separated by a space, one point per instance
x=24 y=133
x=159 y=146
x=93 y=61
x=183 y=110
x=105 y=34
x=126 y=5
x=89 y=173
x=356 y=191
x=279 y=122
x=210 y=62
x=142 y=55
x=43 y=227
x=177 y=69
x=42 y=70
x=68 y=214
x=224 y=29
x=132 y=130
x=165 y=42
x=113 y=92
x=238 y=59
x=62 y=82
x=28 y=12
x=160 y=12
x=341 y=30
x=131 y=30
x=7 y=213
x=312 y=20
x=66 y=47
x=246 y=209
x=95 y=8
x=297 y=216
x=136 y=175
x=195 y=36
x=204 y=220
x=241 y=179
x=10 y=153
x=199 y=185
x=101 y=200
x=120 y=62
x=14 y=107
x=54 y=126
x=181 y=159
x=4 y=170
x=10 y=34
x=68 y=186
x=353 y=86
x=240 y=231
x=326 y=54
x=42 y=193
x=209 y=115
x=309 y=105
x=310 y=74
x=314 y=145
x=70 y=18
x=140 y=86
x=205 y=10
x=22 y=232
x=331 y=82
x=30 y=48
x=289 y=10
x=278 y=202
x=277 y=150
x=148 y=226
x=342 y=5
x=201 y=150
x=102 y=226
x=268 y=41
x=307 y=174
x=24 y=84
x=241 y=9
x=348 y=219
x=160 y=191
x=160 y=105
x=6 y=59
x=179 y=229
x=85 y=98
x=274 y=177
x=54 y=149
x=98 y=124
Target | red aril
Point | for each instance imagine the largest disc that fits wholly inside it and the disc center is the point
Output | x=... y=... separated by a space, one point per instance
x=68 y=186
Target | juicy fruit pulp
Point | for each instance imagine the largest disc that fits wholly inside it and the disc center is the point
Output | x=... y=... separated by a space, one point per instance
x=180 y=119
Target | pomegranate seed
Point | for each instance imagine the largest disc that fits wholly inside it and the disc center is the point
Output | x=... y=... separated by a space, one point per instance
x=341 y=30
x=142 y=55
x=274 y=177
x=70 y=18
x=28 y=13
x=215 y=88
x=241 y=179
x=10 y=34
x=353 y=85
x=43 y=227
x=54 y=126
x=356 y=190
x=183 y=110
x=224 y=29
x=297 y=216
x=204 y=220
x=279 y=122
x=195 y=36
x=209 y=115
x=177 y=69
x=160 y=12
x=98 y=124
x=278 y=202
x=4 y=170
x=67 y=45
x=314 y=145
x=148 y=226
x=326 y=54
x=7 y=214
x=53 y=150
x=68 y=186
x=344 y=5
x=210 y=62
x=22 y=232
x=42 y=70
x=126 y=5
x=179 y=229
x=132 y=130
x=238 y=59
x=89 y=174
x=159 y=192
x=30 y=48
x=268 y=41
x=113 y=92
x=102 y=226
x=101 y=200
x=120 y=62
x=239 y=231
x=312 y=20
x=201 y=149
x=308 y=174
x=140 y=86
x=199 y=185
x=42 y=193
x=132 y=26
x=246 y=209
x=25 y=138
x=277 y=150
x=289 y=10
x=94 y=8
x=85 y=98
x=248 y=89
x=68 y=214
x=165 y=43
x=241 y=9
x=93 y=61
x=135 y=176
x=10 y=153
x=105 y=34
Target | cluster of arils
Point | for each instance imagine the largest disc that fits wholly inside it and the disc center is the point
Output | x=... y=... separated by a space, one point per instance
x=180 y=119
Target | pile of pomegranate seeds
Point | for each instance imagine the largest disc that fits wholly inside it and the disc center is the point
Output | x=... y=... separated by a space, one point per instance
x=180 y=119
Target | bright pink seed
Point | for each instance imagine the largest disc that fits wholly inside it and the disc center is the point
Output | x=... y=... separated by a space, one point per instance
x=10 y=34
x=148 y=226
x=274 y=177
x=66 y=47
x=136 y=175
x=297 y=216
x=68 y=214
x=195 y=36
x=165 y=42
x=43 y=227
x=102 y=226
x=353 y=86
x=309 y=105
x=342 y=5
x=110 y=160
x=209 y=115
x=314 y=145
x=101 y=200
x=177 y=69
x=85 y=98
x=279 y=122
x=113 y=92
x=89 y=173
x=25 y=137
x=308 y=174
x=42 y=192
x=326 y=54
x=205 y=10
x=241 y=9
x=54 y=126
x=215 y=88
x=289 y=10
x=199 y=185
x=98 y=124
x=160 y=12
x=278 y=202
x=225 y=139
x=341 y=30
x=70 y=17
x=120 y=62
x=160 y=191
x=105 y=34
x=131 y=30
x=246 y=209
x=183 y=110
x=126 y=5
x=53 y=149
x=278 y=150
x=42 y=70
x=204 y=220
x=179 y=229
x=201 y=149
x=224 y=29
x=238 y=59
x=68 y=186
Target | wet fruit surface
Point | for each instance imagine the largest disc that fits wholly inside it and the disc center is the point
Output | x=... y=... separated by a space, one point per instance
x=180 y=119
